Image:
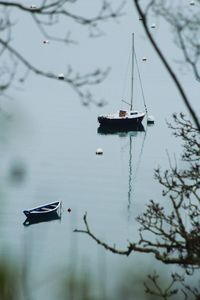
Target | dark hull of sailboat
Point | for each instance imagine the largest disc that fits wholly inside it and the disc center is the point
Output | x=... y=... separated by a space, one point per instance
x=121 y=123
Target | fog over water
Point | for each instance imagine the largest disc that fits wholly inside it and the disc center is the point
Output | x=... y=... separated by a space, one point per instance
x=53 y=137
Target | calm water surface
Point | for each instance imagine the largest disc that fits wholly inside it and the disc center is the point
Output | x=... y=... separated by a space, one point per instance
x=54 y=139
x=56 y=147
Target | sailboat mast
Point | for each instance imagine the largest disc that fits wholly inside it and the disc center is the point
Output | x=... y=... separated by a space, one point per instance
x=132 y=73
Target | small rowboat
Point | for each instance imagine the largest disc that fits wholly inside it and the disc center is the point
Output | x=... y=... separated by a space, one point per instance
x=44 y=211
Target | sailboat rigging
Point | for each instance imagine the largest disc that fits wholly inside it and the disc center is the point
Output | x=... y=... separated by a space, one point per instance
x=125 y=118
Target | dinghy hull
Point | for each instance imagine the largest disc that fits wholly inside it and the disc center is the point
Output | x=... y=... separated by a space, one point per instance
x=44 y=211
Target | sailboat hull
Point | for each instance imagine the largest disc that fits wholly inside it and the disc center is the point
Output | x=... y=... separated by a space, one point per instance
x=121 y=122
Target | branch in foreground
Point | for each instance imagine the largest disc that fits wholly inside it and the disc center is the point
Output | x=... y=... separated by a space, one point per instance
x=133 y=247
x=75 y=80
x=48 y=13
x=166 y=64
x=177 y=285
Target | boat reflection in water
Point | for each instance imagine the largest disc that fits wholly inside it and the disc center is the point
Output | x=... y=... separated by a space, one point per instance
x=36 y=220
x=130 y=133
x=120 y=130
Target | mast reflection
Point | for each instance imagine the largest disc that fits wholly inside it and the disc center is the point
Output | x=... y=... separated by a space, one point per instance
x=129 y=133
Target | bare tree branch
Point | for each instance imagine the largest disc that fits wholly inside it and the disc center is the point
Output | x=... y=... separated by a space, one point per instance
x=48 y=14
x=75 y=81
x=164 y=232
x=165 y=63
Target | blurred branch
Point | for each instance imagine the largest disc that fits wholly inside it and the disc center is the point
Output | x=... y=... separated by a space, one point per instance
x=55 y=8
x=76 y=81
x=176 y=285
x=153 y=287
x=134 y=247
x=47 y=35
x=144 y=16
x=49 y=14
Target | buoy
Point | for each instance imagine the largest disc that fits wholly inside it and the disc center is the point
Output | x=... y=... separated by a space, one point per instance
x=153 y=25
x=192 y=3
x=69 y=210
x=45 y=42
x=150 y=120
x=144 y=59
x=61 y=76
x=99 y=151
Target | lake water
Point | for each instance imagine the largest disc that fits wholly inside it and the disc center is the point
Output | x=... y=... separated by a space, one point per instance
x=54 y=141
x=53 y=138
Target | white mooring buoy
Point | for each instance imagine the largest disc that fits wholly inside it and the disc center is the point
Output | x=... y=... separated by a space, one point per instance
x=45 y=42
x=61 y=76
x=99 y=151
x=192 y=2
x=153 y=25
x=150 y=120
x=33 y=6
x=144 y=58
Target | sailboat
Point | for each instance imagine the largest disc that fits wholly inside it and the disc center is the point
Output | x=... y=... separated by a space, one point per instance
x=124 y=118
